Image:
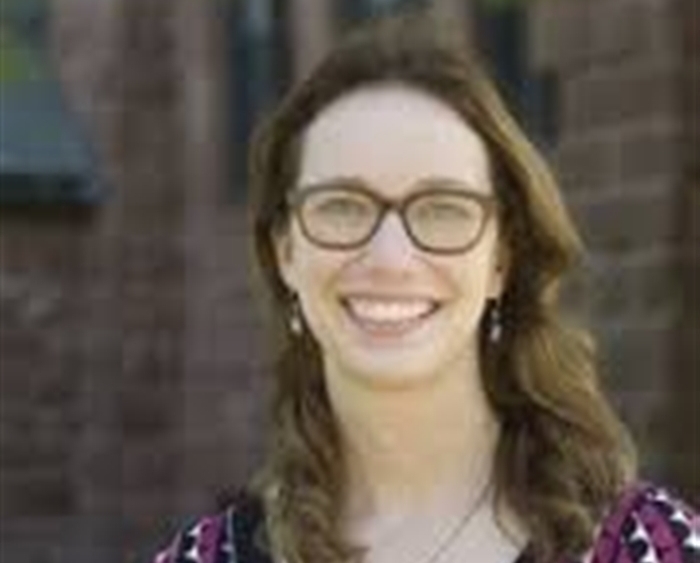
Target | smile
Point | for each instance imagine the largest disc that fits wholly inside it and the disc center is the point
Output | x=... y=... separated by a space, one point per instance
x=387 y=312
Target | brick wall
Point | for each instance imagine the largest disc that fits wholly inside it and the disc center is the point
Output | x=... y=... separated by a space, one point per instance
x=93 y=309
x=225 y=376
x=133 y=370
x=620 y=159
x=685 y=462
x=40 y=396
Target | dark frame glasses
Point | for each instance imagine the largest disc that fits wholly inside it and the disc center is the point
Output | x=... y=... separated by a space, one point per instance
x=299 y=200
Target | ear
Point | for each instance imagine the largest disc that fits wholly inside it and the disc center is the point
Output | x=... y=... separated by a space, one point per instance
x=501 y=271
x=282 y=241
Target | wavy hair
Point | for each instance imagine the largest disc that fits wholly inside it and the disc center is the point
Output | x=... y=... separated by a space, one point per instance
x=563 y=456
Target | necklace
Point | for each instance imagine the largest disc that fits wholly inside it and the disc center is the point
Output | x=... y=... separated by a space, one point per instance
x=451 y=537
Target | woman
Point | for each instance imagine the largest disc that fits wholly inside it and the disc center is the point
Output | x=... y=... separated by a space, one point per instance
x=431 y=404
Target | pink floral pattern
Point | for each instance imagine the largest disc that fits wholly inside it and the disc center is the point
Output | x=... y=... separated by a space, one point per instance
x=647 y=525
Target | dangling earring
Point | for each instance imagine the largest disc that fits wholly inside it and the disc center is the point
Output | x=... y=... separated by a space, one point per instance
x=495 y=328
x=295 y=325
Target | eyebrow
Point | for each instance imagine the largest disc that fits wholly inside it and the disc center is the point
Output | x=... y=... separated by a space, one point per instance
x=419 y=185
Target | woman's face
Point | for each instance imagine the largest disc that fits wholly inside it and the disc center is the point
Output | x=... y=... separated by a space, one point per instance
x=389 y=313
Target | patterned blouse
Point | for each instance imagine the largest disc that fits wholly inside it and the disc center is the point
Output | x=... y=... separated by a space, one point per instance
x=648 y=525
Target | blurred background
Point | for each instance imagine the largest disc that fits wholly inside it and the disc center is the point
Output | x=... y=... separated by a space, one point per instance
x=133 y=374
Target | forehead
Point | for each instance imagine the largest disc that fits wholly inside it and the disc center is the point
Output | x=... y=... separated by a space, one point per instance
x=391 y=136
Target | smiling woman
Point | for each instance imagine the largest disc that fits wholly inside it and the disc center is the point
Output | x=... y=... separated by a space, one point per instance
x=431 y=403
x=397 y=296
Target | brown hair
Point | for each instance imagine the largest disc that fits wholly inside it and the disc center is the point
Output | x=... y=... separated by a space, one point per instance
x=563 y=456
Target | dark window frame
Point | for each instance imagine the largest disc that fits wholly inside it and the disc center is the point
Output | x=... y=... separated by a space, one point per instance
x=46 y=158
x=502 y=35
x=260 y=55
x=352 y=12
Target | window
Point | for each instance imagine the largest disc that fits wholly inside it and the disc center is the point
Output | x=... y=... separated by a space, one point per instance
x=350 y=12
x=501 y=29
x=44 y=158
x=259 y=56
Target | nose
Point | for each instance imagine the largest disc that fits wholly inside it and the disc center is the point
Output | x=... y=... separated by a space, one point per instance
x=391 y=245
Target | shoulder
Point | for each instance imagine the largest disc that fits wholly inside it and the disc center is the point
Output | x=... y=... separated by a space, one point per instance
x=649 y=524
x=235 y=534
x=199 y=541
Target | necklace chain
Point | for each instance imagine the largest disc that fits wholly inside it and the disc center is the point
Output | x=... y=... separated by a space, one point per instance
x=450 y=538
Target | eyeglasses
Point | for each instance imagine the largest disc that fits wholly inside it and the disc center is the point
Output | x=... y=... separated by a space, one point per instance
x=441 y=218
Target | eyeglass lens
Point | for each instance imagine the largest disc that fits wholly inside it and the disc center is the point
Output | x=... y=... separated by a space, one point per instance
x=441 y=220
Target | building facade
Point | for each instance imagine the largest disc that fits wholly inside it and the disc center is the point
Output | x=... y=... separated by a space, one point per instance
x=133 y=372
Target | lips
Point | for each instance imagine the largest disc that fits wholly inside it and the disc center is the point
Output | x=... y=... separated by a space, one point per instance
x=389 y=315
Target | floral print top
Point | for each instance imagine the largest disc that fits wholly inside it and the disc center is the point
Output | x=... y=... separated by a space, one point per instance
x=647 y=525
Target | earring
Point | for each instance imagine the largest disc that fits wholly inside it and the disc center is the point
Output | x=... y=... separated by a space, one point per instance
x=295 y=325
x=495 y=328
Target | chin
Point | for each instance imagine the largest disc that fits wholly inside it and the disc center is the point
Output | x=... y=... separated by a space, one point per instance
x=390 y=371
x=389 y=360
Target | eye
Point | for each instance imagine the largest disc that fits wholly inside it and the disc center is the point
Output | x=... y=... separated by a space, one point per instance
x=445 y=208
x=340 y=204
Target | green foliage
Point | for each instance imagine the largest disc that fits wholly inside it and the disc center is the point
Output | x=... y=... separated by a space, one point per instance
x=19 y=62
x=22 y=40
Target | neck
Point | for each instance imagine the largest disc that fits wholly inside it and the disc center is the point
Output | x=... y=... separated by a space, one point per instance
x=416 y=448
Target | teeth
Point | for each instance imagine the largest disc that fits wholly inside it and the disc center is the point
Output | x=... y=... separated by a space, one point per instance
x=389 y=311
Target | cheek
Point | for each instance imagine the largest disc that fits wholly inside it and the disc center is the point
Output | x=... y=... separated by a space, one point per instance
x=317 y=299
x=304 y=265
x=475 y=281
x=315 y=270
x=479 y=265
x=472 y=282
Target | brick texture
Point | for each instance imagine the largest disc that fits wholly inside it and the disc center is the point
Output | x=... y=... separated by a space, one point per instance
x=624 y=146
x=133 y=372
x=686 y=466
